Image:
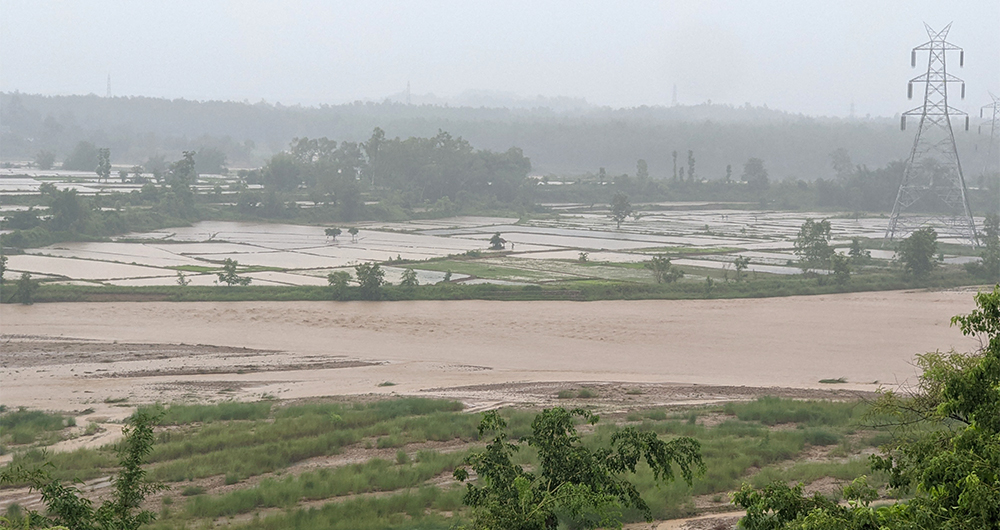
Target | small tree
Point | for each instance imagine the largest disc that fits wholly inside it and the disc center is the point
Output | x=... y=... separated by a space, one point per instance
x=354 y=233
x=988 y=266
x=741 y=263
x=69 y=508
x=332 y=233
x=26 y=288
x=859 y=255
x=663 y=270
x=371 y=278
x=841 y=267
x=917 y=252
x=229 y=276
x=45 y=160
x=621 y=208
x=3 y=267
x=583 y=257
x=182 y=280
x=497 y=242
x=573 y=485
x=812 y=245
x=409 y=278
x=103 y=164
x=338 y=283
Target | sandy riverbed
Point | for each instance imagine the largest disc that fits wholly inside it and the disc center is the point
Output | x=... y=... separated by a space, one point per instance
x=304 y=349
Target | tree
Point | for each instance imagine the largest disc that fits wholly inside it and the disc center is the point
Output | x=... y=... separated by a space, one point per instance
x=741 y=263
x=157 y=165
x=371 y=278
x=602 y=175
x=354 y=233
x=45 y=159
x=83 y=158
x=211 y=161
x=573 y=484
x=945 y=451
x=26 y=288
x=755 y=175
x=859 y=255
x=67 y=506
x=729 y=172
x=674 y=155
x=332 y=233
x=812 y=244
x=690 y=165
x=497 y=242
x=663 y=270
x=917 y=252
x=67 y=209
x=409 y=278
x=840 y=160
x=229 y=276
x=282 y=173
x=840 y=265
x=988 y=266
x=182 y=280
x=103 y=169
x=338 y=283
x=641 y=169
x=3 y=267
x=621 y=208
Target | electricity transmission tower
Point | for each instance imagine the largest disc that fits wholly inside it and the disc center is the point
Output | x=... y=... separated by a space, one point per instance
x=933 y=191
x=994 y=131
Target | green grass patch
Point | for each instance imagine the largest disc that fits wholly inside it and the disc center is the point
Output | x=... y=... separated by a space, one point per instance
x=837 y=381
x=24 y=426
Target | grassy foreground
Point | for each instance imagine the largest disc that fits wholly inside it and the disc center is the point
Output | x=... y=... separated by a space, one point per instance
x=344 y=465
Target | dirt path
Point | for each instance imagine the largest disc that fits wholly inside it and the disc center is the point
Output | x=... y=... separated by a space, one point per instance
x=307 y=349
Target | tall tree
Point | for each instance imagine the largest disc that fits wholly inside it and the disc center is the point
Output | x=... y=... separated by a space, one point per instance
x=917 y=252
x=755 y=175
x=690 y=165
x=641 y=169
x=621 y=208
x=103 y=169
x=812 y=244
x=674 y=155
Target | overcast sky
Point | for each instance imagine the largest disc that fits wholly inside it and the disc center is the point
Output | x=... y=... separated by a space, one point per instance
x=808 y=56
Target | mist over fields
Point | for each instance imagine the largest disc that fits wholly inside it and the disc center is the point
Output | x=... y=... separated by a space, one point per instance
x=570 y=141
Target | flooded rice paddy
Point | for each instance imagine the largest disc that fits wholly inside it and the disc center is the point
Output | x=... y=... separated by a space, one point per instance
x=575 y=246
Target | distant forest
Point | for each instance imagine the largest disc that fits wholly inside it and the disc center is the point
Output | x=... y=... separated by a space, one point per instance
x=564 y=143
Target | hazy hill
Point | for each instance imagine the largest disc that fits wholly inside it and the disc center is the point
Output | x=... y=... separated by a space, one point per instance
x=575 y=139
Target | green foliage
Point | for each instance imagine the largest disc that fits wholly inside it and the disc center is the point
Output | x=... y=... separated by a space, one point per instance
x=371 y=278
x=24 y=426
x=859 y=255
x=83 y=158
x=497 y=242
x=409 y=278
x=621 y=208
x=338 y=283
x=946 y=449
x=812 y=244
x=332 y=233
x=103 y=169
x=840 y=265
x=45 y=159
x=572 y=483
x=663 y=270
x=917 y=252
x=3 y=267
x=66 y=504
x=988 y=266
x=755 y=175
x=26 y=288
x=229 y=274
x=740 y=264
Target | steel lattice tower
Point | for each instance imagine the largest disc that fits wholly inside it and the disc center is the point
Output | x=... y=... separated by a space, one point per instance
x=933 y=191
x=994 y=130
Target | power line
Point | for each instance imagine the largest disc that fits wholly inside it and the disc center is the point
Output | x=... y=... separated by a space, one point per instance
x=932 y=191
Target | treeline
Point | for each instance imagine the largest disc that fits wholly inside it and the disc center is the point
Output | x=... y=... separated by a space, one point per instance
x=558 y=143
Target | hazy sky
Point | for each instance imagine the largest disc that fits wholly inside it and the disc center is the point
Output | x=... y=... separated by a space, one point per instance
x=808 y=56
